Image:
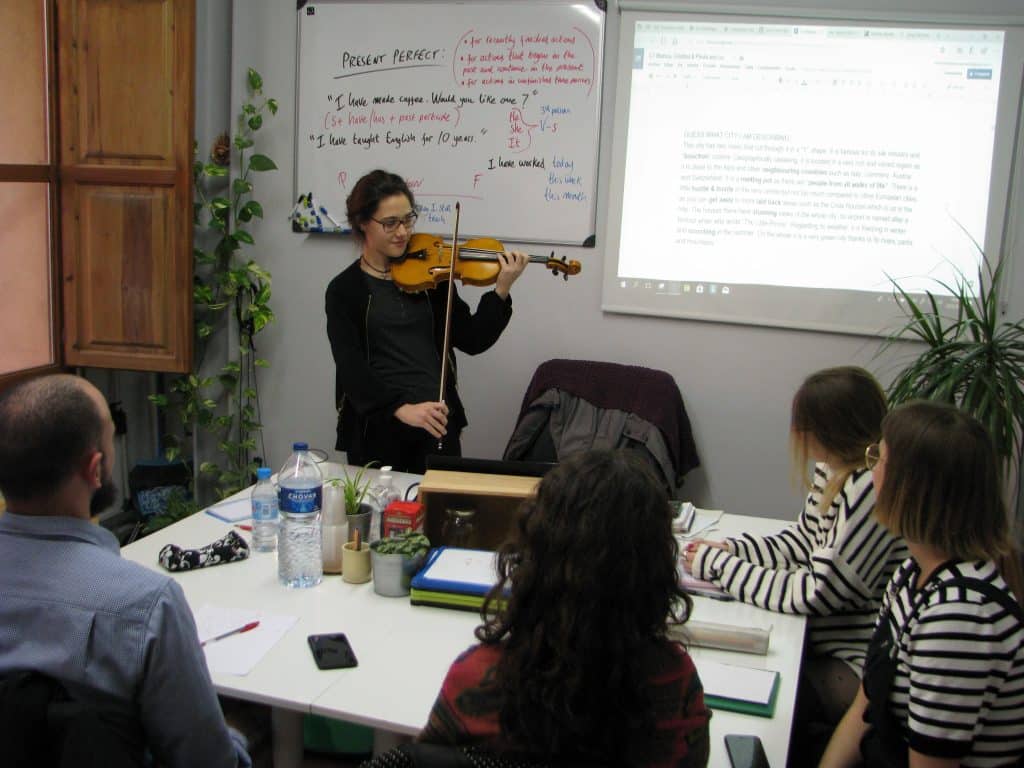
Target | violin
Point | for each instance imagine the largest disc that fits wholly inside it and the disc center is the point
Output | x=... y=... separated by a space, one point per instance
x=428 y=262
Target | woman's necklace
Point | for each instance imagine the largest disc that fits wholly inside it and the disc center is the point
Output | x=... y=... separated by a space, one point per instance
x=385 y=273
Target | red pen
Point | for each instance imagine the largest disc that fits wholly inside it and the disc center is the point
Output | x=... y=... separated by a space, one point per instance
x=244 y=527
x=237 y=631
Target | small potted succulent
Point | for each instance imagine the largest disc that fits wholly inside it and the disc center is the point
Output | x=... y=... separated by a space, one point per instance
x=395 y=560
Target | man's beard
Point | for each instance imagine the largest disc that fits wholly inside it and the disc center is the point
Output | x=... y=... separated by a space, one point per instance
x=104 y=496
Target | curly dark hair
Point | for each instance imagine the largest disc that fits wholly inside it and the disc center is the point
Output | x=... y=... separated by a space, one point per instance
x=367 y=194
x=591 y=583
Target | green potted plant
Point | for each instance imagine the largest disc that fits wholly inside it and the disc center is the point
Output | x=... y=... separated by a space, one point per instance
x=395 y=560
x=972 y=358
x=353 y=489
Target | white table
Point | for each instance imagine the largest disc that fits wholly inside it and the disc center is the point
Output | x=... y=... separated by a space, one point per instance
x=404 y=651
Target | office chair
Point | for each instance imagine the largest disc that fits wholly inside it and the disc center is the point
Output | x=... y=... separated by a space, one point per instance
x=576 y=405
x=41 y=726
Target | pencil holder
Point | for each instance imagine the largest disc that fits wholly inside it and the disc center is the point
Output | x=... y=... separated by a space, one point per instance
x=355 y=562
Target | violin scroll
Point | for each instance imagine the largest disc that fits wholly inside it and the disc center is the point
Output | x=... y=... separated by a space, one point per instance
x=562 y=266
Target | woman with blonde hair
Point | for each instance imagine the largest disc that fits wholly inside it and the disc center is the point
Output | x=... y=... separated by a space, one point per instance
x=944 y=680
x=834 y=562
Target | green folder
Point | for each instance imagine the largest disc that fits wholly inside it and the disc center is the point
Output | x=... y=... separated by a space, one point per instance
x=446 y=599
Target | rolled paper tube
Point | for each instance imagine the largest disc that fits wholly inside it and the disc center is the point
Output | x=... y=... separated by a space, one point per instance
x=724 y=636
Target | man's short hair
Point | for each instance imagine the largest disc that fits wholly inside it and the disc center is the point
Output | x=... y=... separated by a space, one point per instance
x=47 y=426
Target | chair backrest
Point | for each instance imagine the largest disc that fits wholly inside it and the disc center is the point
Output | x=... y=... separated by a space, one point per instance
x=42 y=726
x=416 y=755
x=648 y=396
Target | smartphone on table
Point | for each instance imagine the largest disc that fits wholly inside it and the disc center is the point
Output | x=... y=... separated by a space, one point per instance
x=332 y=651
x=745 y=751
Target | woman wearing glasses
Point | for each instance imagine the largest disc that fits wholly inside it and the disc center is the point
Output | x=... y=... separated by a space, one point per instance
x=944 y=680
x=387 y=342
x=834 y=562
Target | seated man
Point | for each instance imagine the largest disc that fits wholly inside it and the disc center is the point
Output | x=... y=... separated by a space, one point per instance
x=71 y=607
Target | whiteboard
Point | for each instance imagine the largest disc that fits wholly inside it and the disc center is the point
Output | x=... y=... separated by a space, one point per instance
x=493 y=105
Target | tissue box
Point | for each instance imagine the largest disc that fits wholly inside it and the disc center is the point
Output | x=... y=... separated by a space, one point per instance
x=402 y=516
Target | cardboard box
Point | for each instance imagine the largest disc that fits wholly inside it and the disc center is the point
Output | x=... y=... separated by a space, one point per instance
x=402 y=516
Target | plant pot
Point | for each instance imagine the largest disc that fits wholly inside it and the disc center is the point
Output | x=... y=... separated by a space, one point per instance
x=355 y=567
x=360 y=522
x=392 y=573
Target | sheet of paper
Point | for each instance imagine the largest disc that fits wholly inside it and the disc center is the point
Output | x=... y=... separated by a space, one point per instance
x=232 y=511
x=704 y=521
x=465 y=566
x=238 y=654
x=731 y=681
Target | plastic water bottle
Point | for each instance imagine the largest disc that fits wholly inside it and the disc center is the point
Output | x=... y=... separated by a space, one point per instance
x=300 y=556
x=384 y=492
x=264 y=512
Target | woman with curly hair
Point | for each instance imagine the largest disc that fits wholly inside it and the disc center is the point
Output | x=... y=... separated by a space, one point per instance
x=574 y=665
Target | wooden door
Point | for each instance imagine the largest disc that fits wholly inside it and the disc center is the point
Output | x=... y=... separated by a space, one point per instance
x=126 y=75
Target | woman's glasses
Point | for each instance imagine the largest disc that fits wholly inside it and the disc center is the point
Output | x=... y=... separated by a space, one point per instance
x=872 y=455
x=392 y=223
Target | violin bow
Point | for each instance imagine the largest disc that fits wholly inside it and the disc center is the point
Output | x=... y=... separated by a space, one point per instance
x=448 y=313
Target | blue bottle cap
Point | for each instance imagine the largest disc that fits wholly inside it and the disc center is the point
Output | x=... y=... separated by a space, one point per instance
x=263 y=473
x=300 y=446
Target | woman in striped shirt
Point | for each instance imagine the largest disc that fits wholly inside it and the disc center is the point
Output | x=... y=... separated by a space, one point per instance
x=834 y=562
x=944 y=680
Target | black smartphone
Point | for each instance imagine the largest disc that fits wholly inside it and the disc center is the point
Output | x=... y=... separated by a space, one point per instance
x=745 y=751
x=332 y=651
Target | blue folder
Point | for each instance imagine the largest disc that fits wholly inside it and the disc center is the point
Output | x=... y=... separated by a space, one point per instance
x=428 y=588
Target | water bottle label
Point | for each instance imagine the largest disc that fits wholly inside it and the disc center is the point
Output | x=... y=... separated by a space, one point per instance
x=300 y=500
x=264 y=509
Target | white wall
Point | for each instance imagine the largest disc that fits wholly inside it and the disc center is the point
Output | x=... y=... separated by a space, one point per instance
x=736 y=381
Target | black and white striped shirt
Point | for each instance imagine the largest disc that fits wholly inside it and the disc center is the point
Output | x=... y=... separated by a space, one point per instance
x=959 y=685
x=831 y=565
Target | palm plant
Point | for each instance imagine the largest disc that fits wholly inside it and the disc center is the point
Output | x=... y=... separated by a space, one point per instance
x=973 y=359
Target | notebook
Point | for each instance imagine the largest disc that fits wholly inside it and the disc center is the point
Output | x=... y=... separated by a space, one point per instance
x=232 y=511
x=739 y=689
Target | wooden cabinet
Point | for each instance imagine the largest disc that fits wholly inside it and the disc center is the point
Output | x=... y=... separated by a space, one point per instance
x=126 y=86
x=496 y=499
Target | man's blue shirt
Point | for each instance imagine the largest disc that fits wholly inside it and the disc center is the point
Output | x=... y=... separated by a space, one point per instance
x=72 y=608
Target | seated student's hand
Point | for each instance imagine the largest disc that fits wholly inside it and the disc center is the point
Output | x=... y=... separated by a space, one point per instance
x=690 y=551
x=512 y=264
x=430 y=416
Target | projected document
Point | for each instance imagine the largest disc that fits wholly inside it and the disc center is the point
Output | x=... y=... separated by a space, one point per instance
x=809 y=156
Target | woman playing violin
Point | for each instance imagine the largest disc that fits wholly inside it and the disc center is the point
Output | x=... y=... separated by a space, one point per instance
x=387 y=342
